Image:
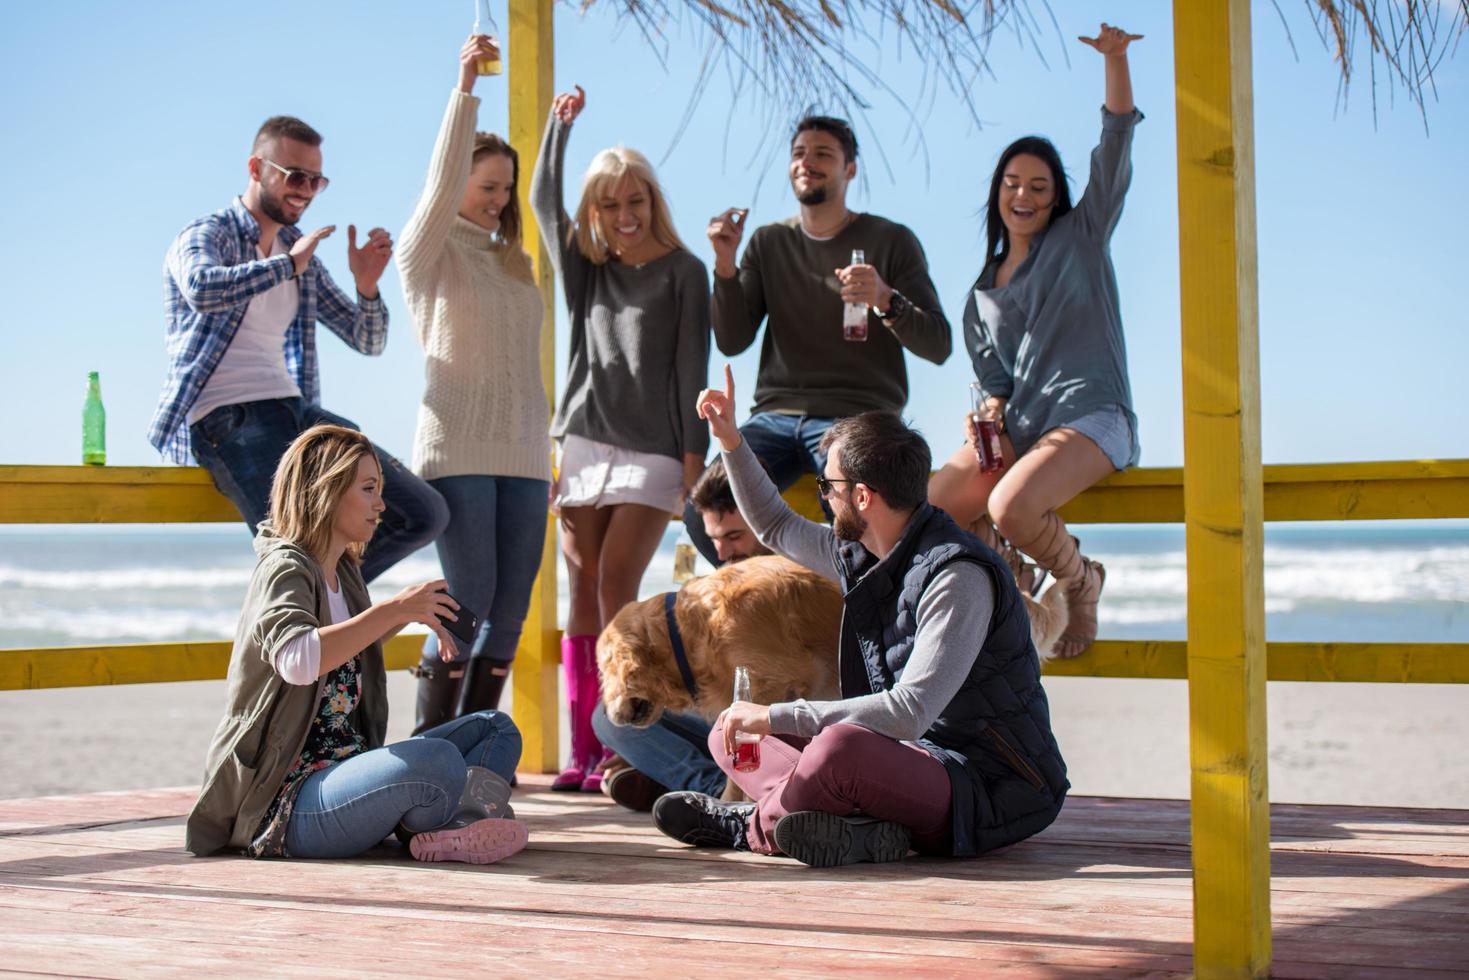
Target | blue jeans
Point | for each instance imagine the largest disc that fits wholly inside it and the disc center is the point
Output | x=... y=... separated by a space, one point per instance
x=788 y=445
x=348 y=807
x=491 y=551
x=674 y=750
x=241 y=445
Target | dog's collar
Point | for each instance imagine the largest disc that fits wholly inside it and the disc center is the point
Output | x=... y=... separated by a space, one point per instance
x=676 y=639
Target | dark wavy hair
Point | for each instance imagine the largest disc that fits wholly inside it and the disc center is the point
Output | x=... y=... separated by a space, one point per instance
x=1037 y=146
x=832 y=126
x=880 y=450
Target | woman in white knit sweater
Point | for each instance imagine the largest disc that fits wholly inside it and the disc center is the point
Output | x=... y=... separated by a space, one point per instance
x=482 y=427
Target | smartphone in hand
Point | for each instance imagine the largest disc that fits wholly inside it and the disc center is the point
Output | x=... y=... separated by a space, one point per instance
x=465 y=627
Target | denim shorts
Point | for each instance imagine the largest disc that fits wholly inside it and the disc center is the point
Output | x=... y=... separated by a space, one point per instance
x=1111 y=430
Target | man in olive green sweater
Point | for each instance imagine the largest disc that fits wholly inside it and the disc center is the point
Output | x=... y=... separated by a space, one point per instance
x=798 y=274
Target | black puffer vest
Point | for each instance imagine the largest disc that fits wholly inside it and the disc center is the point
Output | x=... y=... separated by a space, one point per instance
x=994 y=737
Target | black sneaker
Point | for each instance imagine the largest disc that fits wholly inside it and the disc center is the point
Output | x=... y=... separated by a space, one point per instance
x=633 y=789
x=701 y=820
x=825 y=840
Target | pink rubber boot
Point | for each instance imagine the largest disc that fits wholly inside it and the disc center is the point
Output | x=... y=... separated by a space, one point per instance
x=579 y=671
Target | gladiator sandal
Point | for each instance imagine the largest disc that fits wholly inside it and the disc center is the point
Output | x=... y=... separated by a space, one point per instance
x=1027 y=576
x=1058 y=552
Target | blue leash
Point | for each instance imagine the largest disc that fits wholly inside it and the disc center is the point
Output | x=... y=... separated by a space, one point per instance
x=676 y=638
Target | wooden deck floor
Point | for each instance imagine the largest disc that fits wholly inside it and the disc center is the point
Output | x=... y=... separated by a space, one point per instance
x=100 y=885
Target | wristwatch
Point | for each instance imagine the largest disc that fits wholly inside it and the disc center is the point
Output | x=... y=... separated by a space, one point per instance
x=897 y=306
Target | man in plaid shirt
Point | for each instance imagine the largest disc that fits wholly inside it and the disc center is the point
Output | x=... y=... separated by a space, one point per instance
x=243 y=293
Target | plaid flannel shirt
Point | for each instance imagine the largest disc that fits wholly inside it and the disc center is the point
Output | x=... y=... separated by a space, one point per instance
x=210 y=274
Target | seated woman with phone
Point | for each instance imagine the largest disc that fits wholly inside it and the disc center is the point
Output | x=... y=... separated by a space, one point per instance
x=298 y=767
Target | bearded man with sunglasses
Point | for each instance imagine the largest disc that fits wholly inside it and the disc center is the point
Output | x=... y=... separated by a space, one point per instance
x=243 y=292
x=942 y=739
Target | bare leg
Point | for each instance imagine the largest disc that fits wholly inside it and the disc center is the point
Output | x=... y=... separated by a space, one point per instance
x=583 y=530
x=633 y=534
x=1023 y=504
x=961 y=490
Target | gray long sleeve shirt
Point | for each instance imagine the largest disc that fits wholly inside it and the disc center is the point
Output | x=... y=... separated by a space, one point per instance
x=953 y=616
x=639 y=334
x=1050 y=340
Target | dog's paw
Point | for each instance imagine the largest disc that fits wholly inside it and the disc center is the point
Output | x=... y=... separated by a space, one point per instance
x=1049 y=617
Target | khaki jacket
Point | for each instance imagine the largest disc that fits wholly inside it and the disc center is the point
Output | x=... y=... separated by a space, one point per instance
x=266 y=720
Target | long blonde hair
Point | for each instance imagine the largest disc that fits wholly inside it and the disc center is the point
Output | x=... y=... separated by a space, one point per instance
x=607 y=169
x=313 y=476
x=508 y=238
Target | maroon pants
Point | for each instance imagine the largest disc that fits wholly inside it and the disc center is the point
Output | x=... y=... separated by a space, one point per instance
x=845 y=769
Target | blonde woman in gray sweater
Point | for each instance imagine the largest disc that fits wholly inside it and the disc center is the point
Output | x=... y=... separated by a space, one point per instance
x=632 y=444
x=482 y=428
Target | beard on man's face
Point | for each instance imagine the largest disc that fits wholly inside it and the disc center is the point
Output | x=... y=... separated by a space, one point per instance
x=275 y=208
x=813 y=197
x=848 y=525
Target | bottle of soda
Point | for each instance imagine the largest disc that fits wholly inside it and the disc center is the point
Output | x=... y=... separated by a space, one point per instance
x=854 y=315
x=747 y=746
x=94 y=424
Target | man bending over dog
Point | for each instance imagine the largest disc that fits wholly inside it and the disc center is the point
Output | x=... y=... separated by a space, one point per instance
x=942 y=740
x=673 y=752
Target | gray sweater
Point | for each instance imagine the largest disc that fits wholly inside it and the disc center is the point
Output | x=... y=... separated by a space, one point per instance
x=789 y=279
x=639 y=334
x=1050 y=340
x=954 y=609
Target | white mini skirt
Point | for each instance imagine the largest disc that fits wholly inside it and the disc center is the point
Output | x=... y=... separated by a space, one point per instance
x=594 y=474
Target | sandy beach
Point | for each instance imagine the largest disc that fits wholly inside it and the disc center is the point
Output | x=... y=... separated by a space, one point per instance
x=1368 y=744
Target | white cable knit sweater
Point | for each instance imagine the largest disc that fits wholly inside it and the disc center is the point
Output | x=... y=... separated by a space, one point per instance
x=484 y=409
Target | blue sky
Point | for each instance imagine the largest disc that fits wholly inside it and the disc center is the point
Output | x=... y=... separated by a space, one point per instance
x=123 y=122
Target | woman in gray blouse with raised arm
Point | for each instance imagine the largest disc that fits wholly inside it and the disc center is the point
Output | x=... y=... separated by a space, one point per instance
x=632 y=443
x=1044 y=328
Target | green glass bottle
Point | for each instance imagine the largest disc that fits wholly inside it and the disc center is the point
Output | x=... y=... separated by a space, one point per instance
x=94 y=424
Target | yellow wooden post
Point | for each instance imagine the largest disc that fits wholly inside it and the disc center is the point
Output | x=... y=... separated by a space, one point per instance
x=1222 y=492
x=530 y=51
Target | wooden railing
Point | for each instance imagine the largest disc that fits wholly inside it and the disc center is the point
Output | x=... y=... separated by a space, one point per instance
x=1314 y=492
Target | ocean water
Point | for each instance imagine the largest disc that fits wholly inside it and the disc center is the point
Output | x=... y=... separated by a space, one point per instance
x=1365 y=581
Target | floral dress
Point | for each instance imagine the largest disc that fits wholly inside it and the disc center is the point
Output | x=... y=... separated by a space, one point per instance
x=330 y=740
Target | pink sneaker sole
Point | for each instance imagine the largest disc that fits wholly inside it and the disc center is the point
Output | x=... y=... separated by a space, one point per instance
x=482 y=842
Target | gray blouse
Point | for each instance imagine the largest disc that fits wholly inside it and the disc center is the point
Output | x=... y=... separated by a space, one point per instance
x=1051 y=339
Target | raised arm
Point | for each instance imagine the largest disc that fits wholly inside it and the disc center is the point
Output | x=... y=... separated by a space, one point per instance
x=427 y=231
x=546 y=197
x=1112 y=43
x=769 y=516
x=208 y=285
x=739 y=294
x=1111 y=167
x=363 y=324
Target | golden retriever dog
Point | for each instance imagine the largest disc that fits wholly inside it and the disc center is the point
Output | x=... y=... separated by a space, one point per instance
x=767 y=614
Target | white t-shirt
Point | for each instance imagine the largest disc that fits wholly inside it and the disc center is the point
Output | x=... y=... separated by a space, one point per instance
x=253 y=367
x=299 y=661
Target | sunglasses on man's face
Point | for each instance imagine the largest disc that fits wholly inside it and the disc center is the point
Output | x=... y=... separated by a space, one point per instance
x=300 y=179
x=824 y=486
